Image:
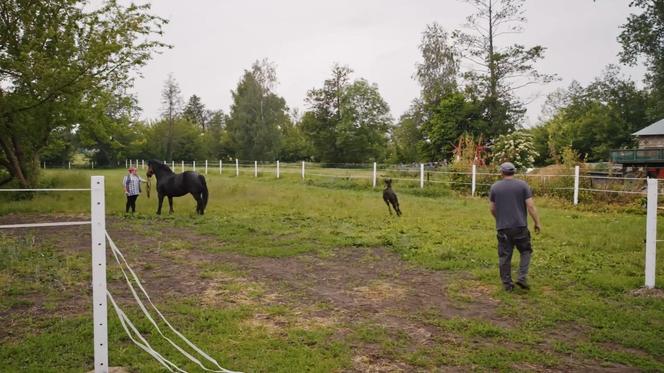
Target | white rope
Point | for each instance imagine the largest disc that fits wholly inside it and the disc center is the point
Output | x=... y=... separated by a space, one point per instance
x=116 y=252
x=45 y=190
x=124 y=321
x=36 y=225
x=610 y=191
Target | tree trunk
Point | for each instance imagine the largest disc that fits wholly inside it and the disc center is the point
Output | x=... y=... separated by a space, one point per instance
x=13 y=154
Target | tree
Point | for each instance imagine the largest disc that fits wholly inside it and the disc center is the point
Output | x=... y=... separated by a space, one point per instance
x=499 y=72
x=55 y=56
x=643 y=36
x=347 y=122
x=107 y=130
x=439 y=70
x=257 y=115
x=171 y=101
x=595 y=119
x=196 y=113
x=407 y=137
x=516 y=147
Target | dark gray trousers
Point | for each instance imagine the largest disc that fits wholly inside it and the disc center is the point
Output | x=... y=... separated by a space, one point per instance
x=507 y=239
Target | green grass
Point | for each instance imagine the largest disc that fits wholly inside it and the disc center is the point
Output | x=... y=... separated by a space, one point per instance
x=585 y=265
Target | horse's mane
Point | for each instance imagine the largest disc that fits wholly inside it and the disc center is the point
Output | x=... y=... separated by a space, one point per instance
x=159 y=165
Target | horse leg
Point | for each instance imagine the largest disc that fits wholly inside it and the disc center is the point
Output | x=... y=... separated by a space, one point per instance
x=388 y=207
x=199 y=202
x=170 y=204
x=161 y=201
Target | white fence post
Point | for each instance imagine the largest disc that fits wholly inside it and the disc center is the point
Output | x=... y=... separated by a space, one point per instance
x=237 y=167
x=182 y=166
x=126 y=166
x=44 y=165
x=221 y=165
x=651 y=233
x=277 y=169
x=206 y=166
x=69 y=164
x=136 y=164
x=194 y=166
x=374 y=175
x=99 y=309
x=302 y=169
x=92 y=164
x=143 y=164
x=473 y=181
x=255 y=168
x=421 y=175
x=172 y=165
x=576 y=185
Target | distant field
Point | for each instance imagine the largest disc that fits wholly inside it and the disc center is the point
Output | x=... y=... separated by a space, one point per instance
x=291 y=275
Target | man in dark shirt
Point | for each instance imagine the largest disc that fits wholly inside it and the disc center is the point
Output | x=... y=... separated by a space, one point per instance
x=510 y=199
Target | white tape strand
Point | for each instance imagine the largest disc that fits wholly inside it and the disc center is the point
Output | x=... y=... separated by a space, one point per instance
x=46 y=190
x=37 y=225
x=127 y=325
x=116 y=253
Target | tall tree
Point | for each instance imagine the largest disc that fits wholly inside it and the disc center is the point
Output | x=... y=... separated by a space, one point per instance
x=55 y=56
x=196 y=112
x=499 y=71
x=595 y=119
x=439 y=70
x=256 y=115
x=643 y=36
x=347 y=122
x=171 y=101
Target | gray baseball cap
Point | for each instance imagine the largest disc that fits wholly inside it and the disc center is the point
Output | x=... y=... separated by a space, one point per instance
x=507 y=167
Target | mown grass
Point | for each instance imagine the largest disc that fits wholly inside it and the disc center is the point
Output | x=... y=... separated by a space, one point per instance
x=586 y=265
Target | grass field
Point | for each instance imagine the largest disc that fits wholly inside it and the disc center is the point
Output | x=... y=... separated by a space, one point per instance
x=290 y=275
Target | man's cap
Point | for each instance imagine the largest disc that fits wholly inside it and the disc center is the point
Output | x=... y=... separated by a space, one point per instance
x=507 y=167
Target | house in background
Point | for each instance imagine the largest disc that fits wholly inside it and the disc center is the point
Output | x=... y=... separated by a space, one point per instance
x=650 y=154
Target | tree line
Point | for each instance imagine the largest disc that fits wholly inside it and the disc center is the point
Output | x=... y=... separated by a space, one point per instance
x=65 y=71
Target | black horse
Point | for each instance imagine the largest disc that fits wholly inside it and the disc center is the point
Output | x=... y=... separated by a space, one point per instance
x=170 y=184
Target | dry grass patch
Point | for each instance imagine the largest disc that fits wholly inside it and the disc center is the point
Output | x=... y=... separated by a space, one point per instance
x=379 y=291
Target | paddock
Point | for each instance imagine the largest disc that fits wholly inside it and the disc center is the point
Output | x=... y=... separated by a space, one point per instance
x=284 y=274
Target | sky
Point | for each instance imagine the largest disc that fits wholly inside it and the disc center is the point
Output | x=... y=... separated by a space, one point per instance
x=215 y=41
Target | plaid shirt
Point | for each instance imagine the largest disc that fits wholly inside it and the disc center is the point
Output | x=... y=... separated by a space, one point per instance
x=132 y=184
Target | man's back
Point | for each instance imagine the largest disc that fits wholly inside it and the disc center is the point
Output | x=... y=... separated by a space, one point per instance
x=509 y=196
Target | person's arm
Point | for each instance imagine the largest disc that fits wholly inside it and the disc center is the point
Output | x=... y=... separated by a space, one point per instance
x=530 y=204
x=492 y=206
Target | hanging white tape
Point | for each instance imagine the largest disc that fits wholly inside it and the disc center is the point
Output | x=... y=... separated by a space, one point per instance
x=117 y=253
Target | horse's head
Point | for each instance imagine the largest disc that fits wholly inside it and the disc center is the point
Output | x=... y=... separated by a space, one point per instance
x=388 y=183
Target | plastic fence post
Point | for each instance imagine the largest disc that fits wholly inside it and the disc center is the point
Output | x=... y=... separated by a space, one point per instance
x=255 y=168
x=302 y=169
x=99 y=309
x=473 y=181
x=182 y=166
x=220 y=166
x=194 y=166
x=69 y=164
x=277 y=169
x=125 y=163
x=576 y=185
x=421 y=175
x=237 y=167
x=143 y=164
x=206 y=166
x=374 y=175
x=651 y=233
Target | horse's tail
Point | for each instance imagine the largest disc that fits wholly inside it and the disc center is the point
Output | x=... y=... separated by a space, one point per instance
x=204 y=193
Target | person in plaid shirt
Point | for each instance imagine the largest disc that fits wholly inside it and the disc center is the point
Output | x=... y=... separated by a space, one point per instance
x=132 y=188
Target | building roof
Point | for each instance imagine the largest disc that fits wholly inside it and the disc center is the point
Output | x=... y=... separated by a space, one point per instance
x=656 y=128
